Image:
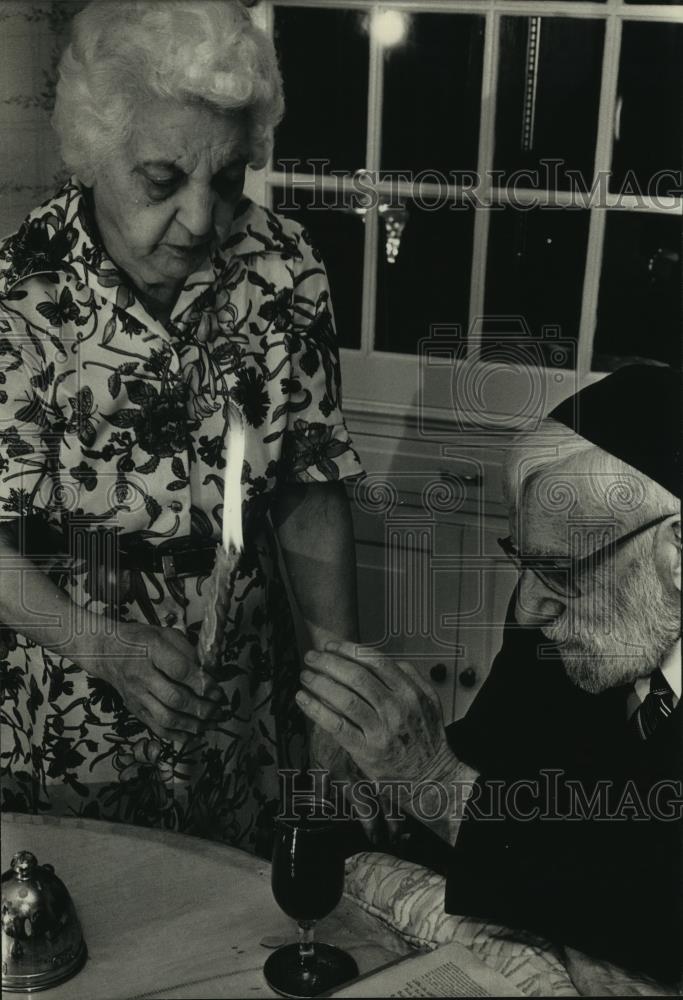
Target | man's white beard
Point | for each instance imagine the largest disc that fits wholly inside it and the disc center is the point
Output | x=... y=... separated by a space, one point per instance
x=596 y=666
x=606 y=649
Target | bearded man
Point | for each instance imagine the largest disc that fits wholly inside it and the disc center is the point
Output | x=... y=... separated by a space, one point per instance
x=559 y=793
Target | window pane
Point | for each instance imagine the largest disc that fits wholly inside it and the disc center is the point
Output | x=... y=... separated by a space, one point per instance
x=324 y=61
x=639 y=311
x=339 y=236
x=429 y=282
x=432 y=93
x=548 y=97
x=534 y=277
x=651 y=117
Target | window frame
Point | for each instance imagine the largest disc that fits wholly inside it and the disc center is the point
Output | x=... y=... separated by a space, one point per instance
x=396 y=391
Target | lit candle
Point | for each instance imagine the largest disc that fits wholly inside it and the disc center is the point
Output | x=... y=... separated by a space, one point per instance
x=232 y=490
x=221 y=582
x=220 y=585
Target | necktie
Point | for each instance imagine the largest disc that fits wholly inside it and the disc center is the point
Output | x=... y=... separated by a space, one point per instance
x=657 y=706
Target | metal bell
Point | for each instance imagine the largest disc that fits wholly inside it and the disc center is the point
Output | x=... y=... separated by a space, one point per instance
x=42 y=942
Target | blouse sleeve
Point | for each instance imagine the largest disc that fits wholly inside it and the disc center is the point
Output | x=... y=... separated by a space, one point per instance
x=317 y=446
x=26 y=376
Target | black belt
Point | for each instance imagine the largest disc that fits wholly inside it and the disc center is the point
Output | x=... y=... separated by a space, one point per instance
x=173 y=562
x=186 y=556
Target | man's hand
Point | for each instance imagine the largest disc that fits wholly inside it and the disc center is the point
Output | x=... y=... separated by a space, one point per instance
x=381 y=712
x=389 y=721
x=157 y=675
x=328 y=755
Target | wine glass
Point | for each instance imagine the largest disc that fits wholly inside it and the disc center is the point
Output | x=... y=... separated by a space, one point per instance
x=308 y=881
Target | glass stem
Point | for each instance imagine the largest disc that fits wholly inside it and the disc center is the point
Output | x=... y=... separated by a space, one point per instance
x=306 y=948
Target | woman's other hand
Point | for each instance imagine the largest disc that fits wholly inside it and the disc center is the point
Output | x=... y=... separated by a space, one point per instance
x=155 y=670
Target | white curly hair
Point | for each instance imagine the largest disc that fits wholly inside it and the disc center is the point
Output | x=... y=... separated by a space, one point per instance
x=123 y=51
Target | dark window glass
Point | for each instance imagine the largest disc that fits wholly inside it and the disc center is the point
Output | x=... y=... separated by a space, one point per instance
x=536 y=263
x=650 y=119
x=324 y=61
x=548 y=97
x=429 y=281
x=639 y=310
x=432 y=94
x=339 y=237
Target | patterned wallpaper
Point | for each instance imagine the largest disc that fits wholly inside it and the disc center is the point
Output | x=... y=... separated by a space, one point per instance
x=32 y=36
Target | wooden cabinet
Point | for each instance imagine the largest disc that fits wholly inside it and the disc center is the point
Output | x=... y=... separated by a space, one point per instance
x=404 y=598
x=433 y=585
x=486 y=583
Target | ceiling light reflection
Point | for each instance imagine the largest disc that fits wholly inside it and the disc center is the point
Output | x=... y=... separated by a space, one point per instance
x=389 y=27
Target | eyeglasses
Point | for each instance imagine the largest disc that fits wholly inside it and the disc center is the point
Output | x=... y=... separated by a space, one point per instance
x=560 y=573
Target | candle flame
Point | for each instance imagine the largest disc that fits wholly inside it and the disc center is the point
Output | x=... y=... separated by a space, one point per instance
x=232 y=490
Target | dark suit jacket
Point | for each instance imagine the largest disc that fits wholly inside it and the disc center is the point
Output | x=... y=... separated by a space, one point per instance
x=611 y=887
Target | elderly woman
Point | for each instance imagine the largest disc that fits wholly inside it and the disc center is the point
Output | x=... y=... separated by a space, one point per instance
x=142 y=306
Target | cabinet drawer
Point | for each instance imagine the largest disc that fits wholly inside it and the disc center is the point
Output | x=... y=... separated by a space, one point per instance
x=424 y=477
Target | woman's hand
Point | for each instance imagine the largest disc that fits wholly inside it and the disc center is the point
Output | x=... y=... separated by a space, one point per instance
x=155 y=671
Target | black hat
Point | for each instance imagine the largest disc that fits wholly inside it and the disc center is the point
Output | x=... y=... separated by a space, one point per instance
x=635 y=415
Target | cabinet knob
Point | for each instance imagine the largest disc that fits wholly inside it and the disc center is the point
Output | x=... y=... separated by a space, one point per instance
x=469 y=478
x=438 y=673
x=468 y=677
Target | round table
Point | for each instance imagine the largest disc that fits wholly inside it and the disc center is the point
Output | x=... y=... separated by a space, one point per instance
x=172 y=916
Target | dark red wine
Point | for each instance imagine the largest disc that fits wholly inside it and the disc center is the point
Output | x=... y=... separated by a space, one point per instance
x=308 y=881
x=307 y=868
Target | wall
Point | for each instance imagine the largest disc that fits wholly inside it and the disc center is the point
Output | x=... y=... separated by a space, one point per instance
x=32 y=36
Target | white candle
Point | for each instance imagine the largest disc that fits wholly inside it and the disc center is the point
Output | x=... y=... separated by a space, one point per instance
x=219 y=585
x=232 y=490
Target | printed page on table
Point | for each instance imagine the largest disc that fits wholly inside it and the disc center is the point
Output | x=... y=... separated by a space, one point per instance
x=450 y=971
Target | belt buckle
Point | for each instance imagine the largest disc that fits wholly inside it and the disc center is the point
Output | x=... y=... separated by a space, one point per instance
x=168 y=567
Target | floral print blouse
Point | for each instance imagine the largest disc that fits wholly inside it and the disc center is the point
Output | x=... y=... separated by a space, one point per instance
x=112 y=421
